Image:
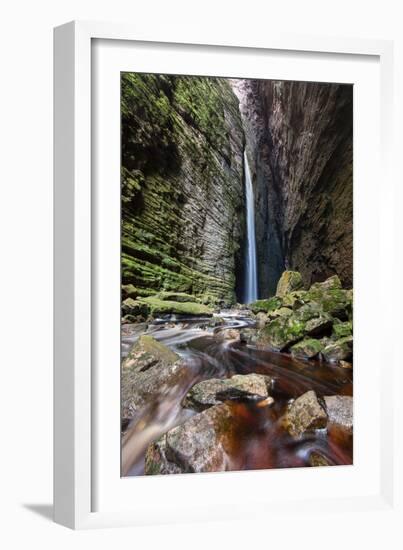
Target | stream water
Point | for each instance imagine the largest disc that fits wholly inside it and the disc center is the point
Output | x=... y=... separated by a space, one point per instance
x=263 y=442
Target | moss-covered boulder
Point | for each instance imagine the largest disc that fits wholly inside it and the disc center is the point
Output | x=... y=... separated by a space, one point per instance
x=280 y=312
x=266 y=305
x=281 y=333
x=289 y=281
x=294 y=299
x=306 y=349
x=342 y=329
x=335 y=301
x=134 y=308
x=341 y=350
x=332 y=283
x=176 y=297
x=164 y=307
x=129 y=291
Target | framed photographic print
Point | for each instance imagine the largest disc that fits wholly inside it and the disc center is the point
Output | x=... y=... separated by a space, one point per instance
x=219 y=233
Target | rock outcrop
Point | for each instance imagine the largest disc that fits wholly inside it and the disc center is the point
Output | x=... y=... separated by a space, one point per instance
x=299 y=136
x=183 y=208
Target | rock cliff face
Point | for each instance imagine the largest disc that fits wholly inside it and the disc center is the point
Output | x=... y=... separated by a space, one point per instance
x=299 y=137
x=183 y=207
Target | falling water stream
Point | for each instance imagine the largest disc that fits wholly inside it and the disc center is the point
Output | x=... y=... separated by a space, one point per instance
x=251 y=269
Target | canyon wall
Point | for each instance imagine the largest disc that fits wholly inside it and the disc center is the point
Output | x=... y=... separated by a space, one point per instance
x=183 y=207
x=299 y=136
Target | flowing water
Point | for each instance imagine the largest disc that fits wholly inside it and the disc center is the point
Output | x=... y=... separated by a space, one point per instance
x=251 y=269
x=261 y=440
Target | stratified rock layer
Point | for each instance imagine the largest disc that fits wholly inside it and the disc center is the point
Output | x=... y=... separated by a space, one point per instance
x=183 y=218
x=299 y=135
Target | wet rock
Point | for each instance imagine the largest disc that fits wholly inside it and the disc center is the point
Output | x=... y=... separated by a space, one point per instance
x=306 y=414
x=156 y=462
x=306 y=349
x=340 y=410
x=289 y=281
x=341 y=350
x=204 y=394
x=149 y=372
x=198 y=445
x=316 y=459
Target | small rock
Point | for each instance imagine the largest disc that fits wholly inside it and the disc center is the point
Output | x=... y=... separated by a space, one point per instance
x=306 y=414
x=340 y=410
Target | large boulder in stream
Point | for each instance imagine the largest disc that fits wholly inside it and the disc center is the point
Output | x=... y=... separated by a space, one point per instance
x=306 y=414
x=207 y=393
x=149 y=372
x=198 y=445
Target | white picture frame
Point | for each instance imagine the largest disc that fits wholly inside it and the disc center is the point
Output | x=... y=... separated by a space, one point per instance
x=77 y=387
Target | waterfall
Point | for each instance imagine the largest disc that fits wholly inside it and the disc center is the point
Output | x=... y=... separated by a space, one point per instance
x=251 y=269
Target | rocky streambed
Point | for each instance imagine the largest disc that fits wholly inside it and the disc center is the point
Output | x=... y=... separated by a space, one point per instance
x=263 y=386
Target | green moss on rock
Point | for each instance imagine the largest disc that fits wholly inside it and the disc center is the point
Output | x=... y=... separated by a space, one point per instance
x=289 y=281
x=266 y=305
x=160 y=307
x=306 y=349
